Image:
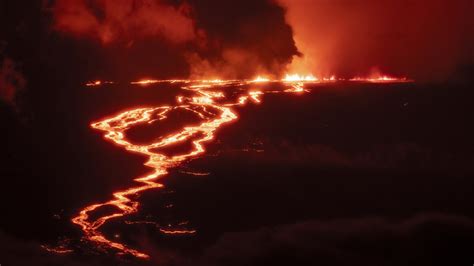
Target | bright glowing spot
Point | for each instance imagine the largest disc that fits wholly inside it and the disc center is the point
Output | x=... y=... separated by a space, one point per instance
x=380 y=79
x=98 y=83
x=260 y=79
x=296 y=88
x=255 y=95
x=332 y=78
x=297 y=78
x=212 y=81
x=94 y=83
x=144 y=82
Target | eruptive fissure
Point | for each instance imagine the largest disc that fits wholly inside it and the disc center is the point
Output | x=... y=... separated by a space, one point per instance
x=211 y=104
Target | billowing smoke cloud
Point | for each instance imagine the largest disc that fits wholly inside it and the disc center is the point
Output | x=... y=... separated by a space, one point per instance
x=218 y=39
x=11 y=81
x=422 y=39
x=241 y=39
x=215 y=39
x=110 y=20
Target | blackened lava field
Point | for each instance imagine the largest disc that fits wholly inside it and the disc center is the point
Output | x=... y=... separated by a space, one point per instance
x=326 y=161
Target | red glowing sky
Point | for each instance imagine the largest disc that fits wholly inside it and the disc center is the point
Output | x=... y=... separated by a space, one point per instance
x=425 y=40
x=421 y=38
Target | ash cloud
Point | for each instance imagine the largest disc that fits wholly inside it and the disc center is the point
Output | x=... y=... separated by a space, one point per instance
x=111 y=20
x=211 y=38
x=220 y=39
x=241 y=39
x=420 y=39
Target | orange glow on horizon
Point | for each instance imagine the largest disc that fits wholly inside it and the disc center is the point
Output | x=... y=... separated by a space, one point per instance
x=289 y=78
x=380 y=79
x=299 y=78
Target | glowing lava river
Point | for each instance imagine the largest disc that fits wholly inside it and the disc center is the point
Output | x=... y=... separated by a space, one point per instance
x=214 y=107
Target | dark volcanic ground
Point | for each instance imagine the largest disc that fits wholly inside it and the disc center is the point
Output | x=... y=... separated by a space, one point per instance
x=348 y=174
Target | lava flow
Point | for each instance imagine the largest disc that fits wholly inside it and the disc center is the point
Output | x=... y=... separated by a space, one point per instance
x=214 y=111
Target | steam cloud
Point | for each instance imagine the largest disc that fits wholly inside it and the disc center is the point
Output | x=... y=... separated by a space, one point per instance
x=422 y=39
x=215 y=38
x=109 y=20
x=413 y=38
x=242 y=39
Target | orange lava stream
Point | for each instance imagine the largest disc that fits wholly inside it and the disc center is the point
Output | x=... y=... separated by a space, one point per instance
x=115 y=127
x=58 y=250
x=204 y=99
x=177 y=232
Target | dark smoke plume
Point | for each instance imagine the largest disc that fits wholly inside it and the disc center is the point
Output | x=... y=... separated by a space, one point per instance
x=215 y=38
x=111 y=20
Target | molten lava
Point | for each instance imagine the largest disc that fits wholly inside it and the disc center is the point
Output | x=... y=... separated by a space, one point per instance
x=98 y=83
x=204 y=100
x=214 y=109
x=380 y=79
x=296 y=78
